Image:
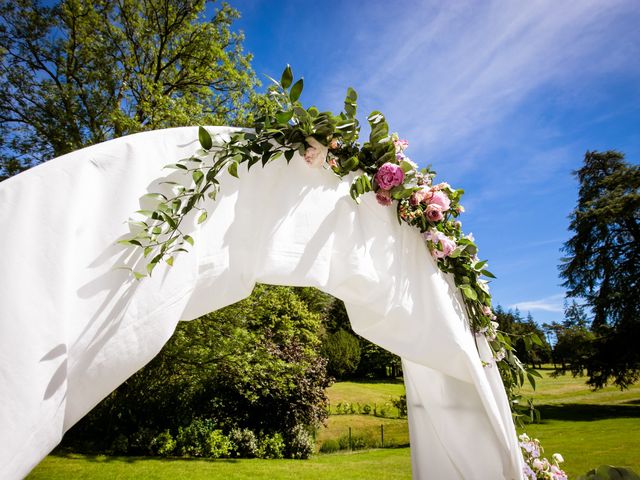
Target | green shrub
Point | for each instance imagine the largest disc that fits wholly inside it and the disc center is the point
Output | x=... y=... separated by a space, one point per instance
x=119 y=446
x=329 y=446
x=193 y=440
x=366 y=409
x=272 y=446
x=163 y=444
x=300 y=443
x=218 y=445
x=401 y=404
x=607 y=472
x=244 y=443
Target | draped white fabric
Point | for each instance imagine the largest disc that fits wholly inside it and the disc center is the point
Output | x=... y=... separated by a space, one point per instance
x=73 y=327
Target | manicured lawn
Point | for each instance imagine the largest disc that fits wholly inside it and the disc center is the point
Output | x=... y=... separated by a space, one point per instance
x=588 y=428
x=392 y=464
x=396 y=430
x=379 y=393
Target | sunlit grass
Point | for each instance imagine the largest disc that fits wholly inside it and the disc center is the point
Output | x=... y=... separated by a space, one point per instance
x=588 y=428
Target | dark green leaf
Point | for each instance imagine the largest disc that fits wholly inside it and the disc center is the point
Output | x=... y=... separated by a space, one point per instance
x=287 y=77
x=233 y=169
x=296 y=90
x=205 y=138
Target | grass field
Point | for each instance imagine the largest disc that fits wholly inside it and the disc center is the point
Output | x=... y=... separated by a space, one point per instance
x=392 y=464
x=588 y=428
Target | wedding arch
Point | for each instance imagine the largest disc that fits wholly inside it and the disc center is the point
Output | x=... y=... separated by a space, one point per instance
x=74 y=324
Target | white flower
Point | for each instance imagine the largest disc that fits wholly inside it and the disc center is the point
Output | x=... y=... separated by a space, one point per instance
x=557 y=457
x=316 y=153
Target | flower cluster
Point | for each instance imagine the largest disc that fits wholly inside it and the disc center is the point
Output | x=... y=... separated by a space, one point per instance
x=536 y=467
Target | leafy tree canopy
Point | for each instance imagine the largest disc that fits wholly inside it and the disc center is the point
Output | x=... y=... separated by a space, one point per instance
x=81 y=72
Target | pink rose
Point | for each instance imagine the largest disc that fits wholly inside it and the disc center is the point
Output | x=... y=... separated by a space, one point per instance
x=316 y=153
x=389 y=175
x=440 y=198
x=486 y=311
x=401 y=145
x=418 y=197
x=383 y=197
x=447 y=245
x=434 y=213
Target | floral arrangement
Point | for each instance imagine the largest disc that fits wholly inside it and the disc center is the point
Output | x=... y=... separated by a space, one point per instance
x=380 y=165
x=536 y=467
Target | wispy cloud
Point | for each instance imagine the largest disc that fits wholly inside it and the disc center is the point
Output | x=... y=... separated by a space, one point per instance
x=448 y=71
x=553 y=303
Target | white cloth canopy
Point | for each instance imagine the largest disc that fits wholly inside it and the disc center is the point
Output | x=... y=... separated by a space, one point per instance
x=73 y=327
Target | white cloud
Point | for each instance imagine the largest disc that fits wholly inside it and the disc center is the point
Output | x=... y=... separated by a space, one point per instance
x=444 y=72
x=553 y=303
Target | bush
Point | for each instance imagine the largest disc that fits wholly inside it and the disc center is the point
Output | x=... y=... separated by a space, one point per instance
x=607 y=472
x=244 y=443
x=217 y=445
x=272 y=446
x=366 y=409
x=119 y=446
x=193 y=440
x=300 y=443
x=163 y=444
x=329 y=446
x=401 y=404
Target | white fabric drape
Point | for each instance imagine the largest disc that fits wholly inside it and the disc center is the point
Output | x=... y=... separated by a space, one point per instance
x=73 y=327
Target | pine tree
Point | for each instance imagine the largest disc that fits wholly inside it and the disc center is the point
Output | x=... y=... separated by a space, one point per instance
x=602 y=267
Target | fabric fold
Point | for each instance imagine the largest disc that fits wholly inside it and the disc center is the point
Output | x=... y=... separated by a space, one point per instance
x=73 y=326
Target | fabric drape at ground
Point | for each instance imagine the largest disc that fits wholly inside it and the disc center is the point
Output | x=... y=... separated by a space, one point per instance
x=73 y=326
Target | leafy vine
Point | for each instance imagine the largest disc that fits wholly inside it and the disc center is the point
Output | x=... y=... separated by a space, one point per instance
x=380 y=165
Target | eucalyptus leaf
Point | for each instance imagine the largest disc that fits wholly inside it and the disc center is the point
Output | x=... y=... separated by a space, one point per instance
x=205 y=138
x=287 y=77
x=296 y=90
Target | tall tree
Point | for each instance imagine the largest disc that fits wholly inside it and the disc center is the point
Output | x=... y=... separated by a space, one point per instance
x=81 y=72
x=602 y=266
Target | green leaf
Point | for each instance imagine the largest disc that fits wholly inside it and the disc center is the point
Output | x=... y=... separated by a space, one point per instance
x=233 y=169
x=197 y=176
x=202 y=217
x=296 y=90
x=287 y=77
x=284 y=117
x=351 y=94
x=469 y=292
x=487 y=273
x=170 y=261
x=189 y=240
x=138 y=275
x=205 y=138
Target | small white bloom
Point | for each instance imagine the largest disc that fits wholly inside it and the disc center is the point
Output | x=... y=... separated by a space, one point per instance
x=557 y=457
x=316 y=153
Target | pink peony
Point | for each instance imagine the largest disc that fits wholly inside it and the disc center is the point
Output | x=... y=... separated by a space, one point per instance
x=440 y=198
x=383 y=197
x=434 y=213
x=389 y=175
x=316 y=153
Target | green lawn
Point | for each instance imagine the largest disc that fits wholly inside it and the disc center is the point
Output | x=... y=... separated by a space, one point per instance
x=389 y=464
x=588 y=428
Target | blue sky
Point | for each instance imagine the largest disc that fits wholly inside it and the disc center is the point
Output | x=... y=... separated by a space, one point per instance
x=502 y=98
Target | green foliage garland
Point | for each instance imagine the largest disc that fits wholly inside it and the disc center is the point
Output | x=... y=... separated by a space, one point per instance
x=379 y=165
